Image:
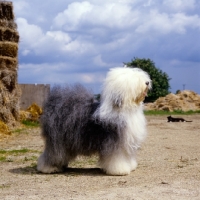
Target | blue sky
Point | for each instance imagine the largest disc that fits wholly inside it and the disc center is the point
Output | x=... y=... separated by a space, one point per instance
x=69 y=41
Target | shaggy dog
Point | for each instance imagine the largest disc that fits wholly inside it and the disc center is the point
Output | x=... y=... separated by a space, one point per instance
x=72 y=124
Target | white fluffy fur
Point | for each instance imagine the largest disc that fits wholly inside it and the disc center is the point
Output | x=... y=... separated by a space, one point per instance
x=126 y=87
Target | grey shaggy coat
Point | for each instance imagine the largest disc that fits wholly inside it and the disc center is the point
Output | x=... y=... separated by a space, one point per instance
x=69 y=127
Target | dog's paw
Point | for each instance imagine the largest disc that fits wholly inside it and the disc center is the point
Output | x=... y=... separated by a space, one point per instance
x=117 y=169
x=133 y=165
x=49 y=169
x=117 y=172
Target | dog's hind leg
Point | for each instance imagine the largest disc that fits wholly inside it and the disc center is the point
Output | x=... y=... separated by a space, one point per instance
x=45 y=164
x=52 y=161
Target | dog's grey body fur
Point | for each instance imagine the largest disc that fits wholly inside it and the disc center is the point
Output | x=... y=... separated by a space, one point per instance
x=69 y=128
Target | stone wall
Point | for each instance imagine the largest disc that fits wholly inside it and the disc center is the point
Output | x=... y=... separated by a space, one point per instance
x=33 y=93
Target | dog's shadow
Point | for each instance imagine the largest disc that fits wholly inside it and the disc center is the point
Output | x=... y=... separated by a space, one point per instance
x=68 y=171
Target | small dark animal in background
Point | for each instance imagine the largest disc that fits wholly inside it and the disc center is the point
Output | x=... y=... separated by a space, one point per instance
x=173 y=119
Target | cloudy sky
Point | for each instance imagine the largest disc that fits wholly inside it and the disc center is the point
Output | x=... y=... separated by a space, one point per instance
x=69 y=41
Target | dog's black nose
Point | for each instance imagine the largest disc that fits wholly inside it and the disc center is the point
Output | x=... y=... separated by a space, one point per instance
x=147 y=83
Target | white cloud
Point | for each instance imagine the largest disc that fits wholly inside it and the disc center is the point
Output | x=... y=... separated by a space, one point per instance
x=21 y=6
x=59 y=36
x=180 y=5
x=98 y=61
x=79 y=40
x=29 y=34
x=148 y=3
x=182 y=22
x=164 y=23
x=71 y=17
x=25 y=52
x=33 y=39
x=52 y=41
x=87 y=78
x=80 y=14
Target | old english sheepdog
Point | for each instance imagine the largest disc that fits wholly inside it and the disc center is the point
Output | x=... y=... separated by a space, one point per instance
x=73 y=124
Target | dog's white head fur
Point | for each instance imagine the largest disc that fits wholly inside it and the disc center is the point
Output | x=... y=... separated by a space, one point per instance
x=125 y=87
x=124 y=90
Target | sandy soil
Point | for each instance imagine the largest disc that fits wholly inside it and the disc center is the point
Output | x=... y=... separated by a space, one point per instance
x=169 y=168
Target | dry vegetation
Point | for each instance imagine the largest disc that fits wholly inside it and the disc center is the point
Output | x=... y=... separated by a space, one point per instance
x=185 y=101
x=9 y=89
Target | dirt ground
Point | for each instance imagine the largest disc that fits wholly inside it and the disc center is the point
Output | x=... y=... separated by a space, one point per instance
x=168 y=168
